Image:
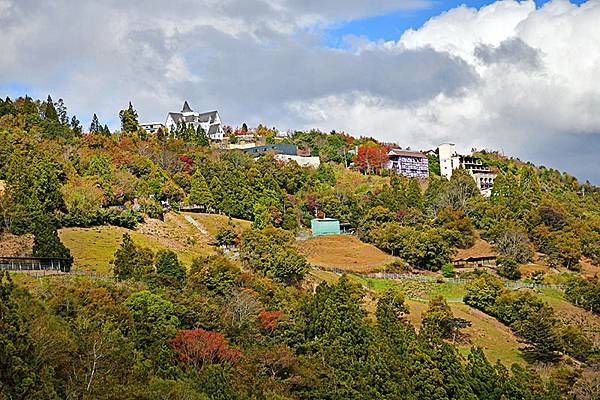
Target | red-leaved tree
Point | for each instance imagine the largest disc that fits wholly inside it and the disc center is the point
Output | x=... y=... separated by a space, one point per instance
x=200 y=347
x=268 y=319
x=371 y=157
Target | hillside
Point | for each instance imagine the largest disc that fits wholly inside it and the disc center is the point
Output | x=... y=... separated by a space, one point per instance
x=93 y=248
x=343 y=252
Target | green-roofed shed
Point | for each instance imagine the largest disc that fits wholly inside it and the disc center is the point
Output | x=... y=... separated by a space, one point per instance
x=325 y=226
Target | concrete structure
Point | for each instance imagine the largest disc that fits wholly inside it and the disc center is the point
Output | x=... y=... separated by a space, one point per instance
x=152 y=127
x=209 y=121
x=302 y=161
x=408 y=163
x=451 y=160
x=325 y=226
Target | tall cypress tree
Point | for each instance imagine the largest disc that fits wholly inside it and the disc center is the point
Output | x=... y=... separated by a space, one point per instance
x=200 y=194
x=49 y=111
x=95 y=126
x=129 y=119
x=47 y=244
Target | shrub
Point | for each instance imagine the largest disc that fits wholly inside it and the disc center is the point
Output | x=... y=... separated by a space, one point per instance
x=508 y=268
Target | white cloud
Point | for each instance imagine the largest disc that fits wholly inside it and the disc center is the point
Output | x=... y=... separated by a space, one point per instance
x=538 y=86
x=507 y=76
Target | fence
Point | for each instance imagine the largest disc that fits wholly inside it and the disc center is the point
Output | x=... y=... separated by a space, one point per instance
x=34 y=264
x=432 y=279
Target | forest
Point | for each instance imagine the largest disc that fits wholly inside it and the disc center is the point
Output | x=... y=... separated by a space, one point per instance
x=258 y=325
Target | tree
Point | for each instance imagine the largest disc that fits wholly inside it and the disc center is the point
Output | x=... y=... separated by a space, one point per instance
x=200 y=347
x=169 y=269
x=227 y=235
x=483 y=292
x=539 y=335
x=200 y=194
x=371 y=157
x=125 y=263
x=49 y=111
x=47 y=244
x=438 y=320
x=289 y=266
x=201 y=138
x=154 y=323
x=95 y=126
x=513 y=243
x=215 y=273
x=508 y=268
x=61 y=111
x=20 y=369
x=129 y=119
x=76 y=126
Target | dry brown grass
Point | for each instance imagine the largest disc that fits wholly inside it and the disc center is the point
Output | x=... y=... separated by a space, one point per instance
x=343 y=252
x=15 y=246
x=481 y=248
x=213 y=222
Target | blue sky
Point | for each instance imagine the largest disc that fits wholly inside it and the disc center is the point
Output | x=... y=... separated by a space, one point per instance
x=390 y=26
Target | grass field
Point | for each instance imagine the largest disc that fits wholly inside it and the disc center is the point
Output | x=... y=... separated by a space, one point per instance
x=212 y=222
x=93 y=248
x=342 y=252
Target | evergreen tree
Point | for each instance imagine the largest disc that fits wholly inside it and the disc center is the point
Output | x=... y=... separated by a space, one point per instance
x=47 y=244
x=20 y=369
x=129 y=119
x=49 y=110
x=169 y=269
x=124 y=265
x=413 y=194
x=61 y=111
x=76 y=126
x=201 y=138
x=217 y=191
x=540 y=336
x=200 y=194
x=95 y=126
x=106 y=131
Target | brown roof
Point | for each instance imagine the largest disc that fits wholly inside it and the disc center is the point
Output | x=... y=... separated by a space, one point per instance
x=407 y=153
x=481 y=248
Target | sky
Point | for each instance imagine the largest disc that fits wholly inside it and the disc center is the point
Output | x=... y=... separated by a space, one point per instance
x=521 y=77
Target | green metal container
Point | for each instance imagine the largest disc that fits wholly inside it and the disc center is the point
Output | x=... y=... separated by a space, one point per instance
x=325 y=226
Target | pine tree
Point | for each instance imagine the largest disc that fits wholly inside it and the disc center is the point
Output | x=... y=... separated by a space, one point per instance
x=169 y=269
x=129 y=119
x=201 y=137
x=49 y=111
x=76 y=125
x=124 y=265
x=47 y=244
x=216 y=188
x=61 y=110
x=200 y=194
x=106 y=131
x=95 y=126
x=413 y=194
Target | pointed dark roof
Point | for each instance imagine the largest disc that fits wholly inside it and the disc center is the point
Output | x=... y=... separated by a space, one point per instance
x=186 y=107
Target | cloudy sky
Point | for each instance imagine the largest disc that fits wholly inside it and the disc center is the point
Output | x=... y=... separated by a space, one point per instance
x=519 y=76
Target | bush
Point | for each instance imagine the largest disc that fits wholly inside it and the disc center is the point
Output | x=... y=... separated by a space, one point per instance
x=508 y=268
x=448 y=271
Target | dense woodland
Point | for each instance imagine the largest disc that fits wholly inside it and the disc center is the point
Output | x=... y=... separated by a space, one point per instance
x=253 y=327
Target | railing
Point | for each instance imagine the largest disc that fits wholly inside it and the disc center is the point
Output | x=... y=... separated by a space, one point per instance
x=34 y=264
x=433 y=279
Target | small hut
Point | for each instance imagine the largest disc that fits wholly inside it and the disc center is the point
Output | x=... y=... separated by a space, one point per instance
x=325 y=226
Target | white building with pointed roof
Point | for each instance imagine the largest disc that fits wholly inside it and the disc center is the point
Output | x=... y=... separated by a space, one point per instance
x=209 y=121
